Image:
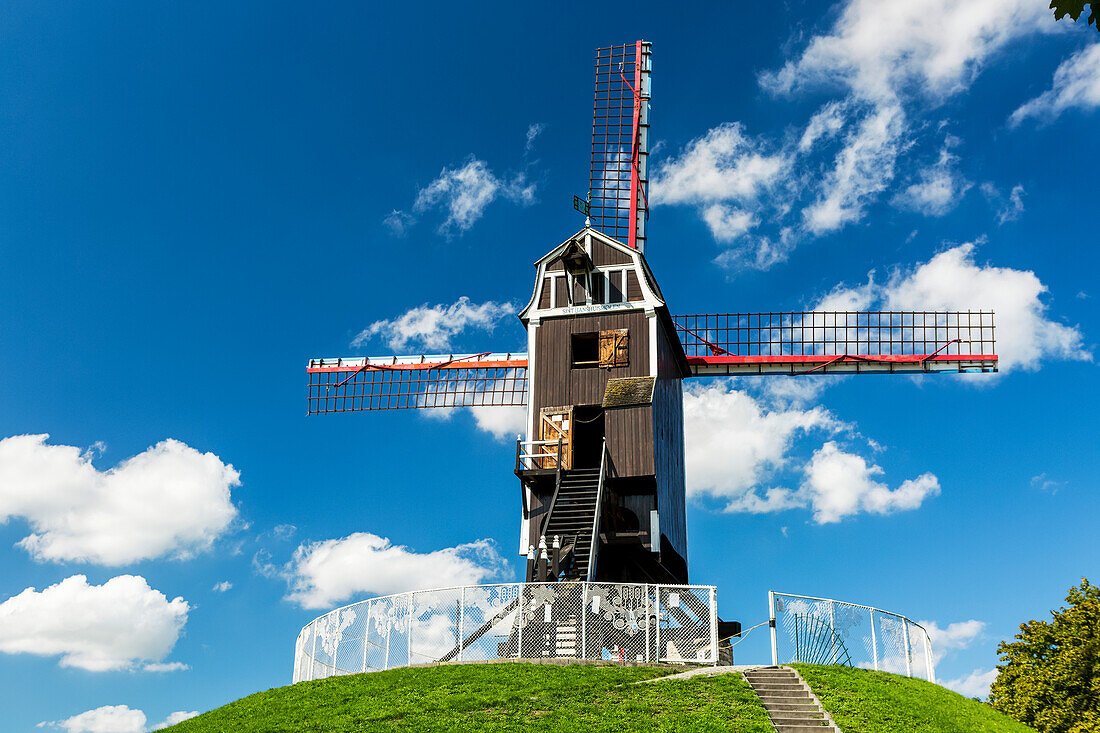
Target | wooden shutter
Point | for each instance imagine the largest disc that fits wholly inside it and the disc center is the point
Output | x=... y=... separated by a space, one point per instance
x=615 y=348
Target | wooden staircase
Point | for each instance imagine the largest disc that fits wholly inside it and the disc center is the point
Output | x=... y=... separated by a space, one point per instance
x=572 y=515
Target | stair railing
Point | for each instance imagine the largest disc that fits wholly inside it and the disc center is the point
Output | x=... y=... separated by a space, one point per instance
x=596 y=514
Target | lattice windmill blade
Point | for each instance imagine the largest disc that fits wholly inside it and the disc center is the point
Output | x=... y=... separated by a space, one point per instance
x=411 y=382
x=838 y=342
x=618 y=176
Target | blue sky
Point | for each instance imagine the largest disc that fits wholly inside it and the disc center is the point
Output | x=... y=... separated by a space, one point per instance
x=194 y=201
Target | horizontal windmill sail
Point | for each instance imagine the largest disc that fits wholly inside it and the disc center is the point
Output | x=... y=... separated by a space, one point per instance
x=409 y=382
x=838 y=342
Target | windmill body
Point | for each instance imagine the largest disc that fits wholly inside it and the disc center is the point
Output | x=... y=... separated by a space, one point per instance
x=605 y=372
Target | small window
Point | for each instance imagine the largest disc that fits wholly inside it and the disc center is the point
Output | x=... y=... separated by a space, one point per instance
x=601 y=348
x=585 y=350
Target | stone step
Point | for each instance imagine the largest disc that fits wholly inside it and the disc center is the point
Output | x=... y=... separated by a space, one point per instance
x=791 y=707
x=778 y=687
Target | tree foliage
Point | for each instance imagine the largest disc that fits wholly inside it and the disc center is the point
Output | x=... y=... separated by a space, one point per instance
x=1051 y=676
x=1074 y=9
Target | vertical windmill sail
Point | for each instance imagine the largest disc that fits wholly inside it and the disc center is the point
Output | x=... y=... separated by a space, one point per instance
x=618 y=184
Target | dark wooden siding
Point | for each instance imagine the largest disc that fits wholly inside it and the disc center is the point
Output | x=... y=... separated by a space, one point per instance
x=603 y=254
x=544 y=294
x=615 y=290
x=556 y=266
x=579 y=296
x=561 y=294
x=598 y=281
x=629 y=430
x=633 y=288
x=629 y=433
x=668 y=431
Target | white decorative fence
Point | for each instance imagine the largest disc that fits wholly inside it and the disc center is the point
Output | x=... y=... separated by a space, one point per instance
x=824 y=631
x=630 y=622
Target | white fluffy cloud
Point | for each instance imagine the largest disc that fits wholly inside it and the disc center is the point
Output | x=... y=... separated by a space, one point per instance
x=503 y=423
x=464 y=193
x=862 y=170
x=737 y=444
x=1076 y=86
x=322 y=574
x=839 y=484
x=433 y=327
x=170 y=500
x=734 y=444
x=115 y=719
x=1007 y=208
x=883 y=56
x=727 y=175
x=954 y=636
x=938 y=188
x=935 y=48
x=723 y=165
x=952 y=280
x=117 y=625
x=887 y=64
x=976 y=684
x=825 y=124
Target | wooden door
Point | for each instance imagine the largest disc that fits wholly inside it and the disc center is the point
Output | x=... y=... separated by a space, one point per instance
x=557 y=423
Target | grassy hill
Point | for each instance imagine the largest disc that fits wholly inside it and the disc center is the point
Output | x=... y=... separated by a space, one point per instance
x=862 y=701
x=531 y=697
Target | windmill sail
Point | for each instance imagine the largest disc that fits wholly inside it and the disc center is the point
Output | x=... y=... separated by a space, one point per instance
x=845 y=342
x=409 y=382
x=618 y=178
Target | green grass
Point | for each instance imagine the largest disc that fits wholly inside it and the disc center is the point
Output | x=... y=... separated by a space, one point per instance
x=543 y=697
x=862 y=701
x=495 y=697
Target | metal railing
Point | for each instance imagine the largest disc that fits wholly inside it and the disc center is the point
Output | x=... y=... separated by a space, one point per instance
x=825 y=631
x=625 y=622
x=593 y=544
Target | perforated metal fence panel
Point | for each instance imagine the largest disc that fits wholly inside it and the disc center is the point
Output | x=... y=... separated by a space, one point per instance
x=628 y=622
x=825 y=631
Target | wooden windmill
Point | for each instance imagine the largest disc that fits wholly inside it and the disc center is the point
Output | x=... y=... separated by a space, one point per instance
x=602 y=465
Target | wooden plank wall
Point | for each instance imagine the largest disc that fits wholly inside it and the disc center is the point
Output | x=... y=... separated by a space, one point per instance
x=629 y=429
x=602 y=254
x=668 y=431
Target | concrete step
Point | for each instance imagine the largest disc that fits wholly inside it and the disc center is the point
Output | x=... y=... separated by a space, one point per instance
x=770 y=673
x=785 y=697
x=816 y=722
x=777 y=687
x=791 y=706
